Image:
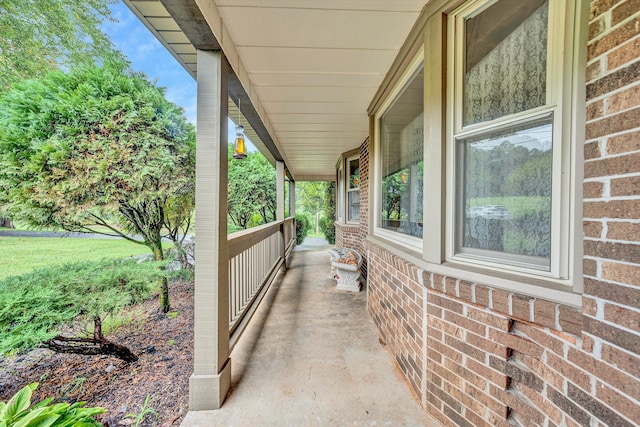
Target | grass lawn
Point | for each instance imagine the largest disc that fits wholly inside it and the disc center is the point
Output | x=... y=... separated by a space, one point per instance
x=312 y=233
x=20 y=255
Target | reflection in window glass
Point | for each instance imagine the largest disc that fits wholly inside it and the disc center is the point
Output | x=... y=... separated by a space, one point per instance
x=505 y=60
x=340 y=193
x=353 y=191
x=401 y=147
x=506 y=192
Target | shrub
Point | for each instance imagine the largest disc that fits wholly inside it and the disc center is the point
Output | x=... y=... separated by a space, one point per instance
x=37 y=307
x=302 y=227
x=327 y=226
x=19 y=411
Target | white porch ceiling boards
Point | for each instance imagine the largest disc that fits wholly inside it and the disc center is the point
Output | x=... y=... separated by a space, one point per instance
x=310 y=67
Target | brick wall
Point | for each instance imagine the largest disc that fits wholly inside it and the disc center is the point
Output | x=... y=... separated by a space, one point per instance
x=476 y=355
x=395 y=301
x=348 y=236
x=364 y=202
x=352 y=235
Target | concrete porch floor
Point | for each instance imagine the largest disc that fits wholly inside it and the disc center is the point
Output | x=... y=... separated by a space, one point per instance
x=311 y=357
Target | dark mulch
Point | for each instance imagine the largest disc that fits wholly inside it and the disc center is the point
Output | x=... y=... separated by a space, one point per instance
x=164 y=346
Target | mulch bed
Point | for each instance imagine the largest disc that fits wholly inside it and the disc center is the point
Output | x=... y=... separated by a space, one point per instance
x=164 y=345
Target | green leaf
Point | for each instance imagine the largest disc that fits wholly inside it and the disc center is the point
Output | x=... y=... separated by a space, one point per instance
x=41 y=417
x=18 y=403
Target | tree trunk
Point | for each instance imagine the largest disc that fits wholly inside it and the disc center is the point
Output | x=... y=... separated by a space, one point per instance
x=6 y=222
x=91 y=346
x=181 y=255
x=158 y=255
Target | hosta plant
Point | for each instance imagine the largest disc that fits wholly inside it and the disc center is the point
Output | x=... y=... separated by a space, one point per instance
x=20 y=412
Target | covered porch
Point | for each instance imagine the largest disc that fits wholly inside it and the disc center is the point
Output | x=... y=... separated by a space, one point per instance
x=508 y=296
x=311 y=356
x=298 y=76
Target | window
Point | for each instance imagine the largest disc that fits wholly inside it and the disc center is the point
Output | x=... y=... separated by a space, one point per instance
x=509 y=150
x=401 y=144
x=287 y=197
x=340 y=193
x=353 y=190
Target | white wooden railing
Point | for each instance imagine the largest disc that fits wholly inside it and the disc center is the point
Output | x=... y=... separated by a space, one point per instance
x=255 y=257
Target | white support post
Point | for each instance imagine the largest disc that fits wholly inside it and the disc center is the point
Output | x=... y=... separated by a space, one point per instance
x=292 y=198
x=211 y=379
x=280 y=207
x=279 y=191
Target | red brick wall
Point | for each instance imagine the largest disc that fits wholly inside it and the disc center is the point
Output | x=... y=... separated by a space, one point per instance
x=352 y=235
x=476 y=355
x=347 y=236
x=395 y=301
x=364 y=202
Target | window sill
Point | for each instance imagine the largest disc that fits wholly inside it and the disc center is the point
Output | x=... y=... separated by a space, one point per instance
x=534 y=287
x=347 y=224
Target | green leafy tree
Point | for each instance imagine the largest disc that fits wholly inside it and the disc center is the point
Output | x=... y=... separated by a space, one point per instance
x=97 y=149
x=62 y=307
x=394 y=186
x=328 y=221
x=252 y=189
x=310 y=199
x=310 y=196
x=39 y=36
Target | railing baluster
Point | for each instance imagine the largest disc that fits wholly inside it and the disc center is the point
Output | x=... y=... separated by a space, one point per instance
x=253 y=256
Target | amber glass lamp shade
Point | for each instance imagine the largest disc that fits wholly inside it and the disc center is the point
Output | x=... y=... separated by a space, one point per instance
x=239 y=151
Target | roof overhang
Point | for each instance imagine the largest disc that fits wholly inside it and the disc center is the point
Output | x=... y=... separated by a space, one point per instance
x=310 y=68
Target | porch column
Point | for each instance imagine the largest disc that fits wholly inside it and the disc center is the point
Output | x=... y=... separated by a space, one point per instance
x=211 y=377
x=279 y=191
x=292 y=198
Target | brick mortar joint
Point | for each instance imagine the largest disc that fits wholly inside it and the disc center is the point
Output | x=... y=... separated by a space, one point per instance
x=452 y=292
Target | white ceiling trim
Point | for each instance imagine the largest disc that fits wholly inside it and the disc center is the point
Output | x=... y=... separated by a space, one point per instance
x=211 y=14
x=310 y=67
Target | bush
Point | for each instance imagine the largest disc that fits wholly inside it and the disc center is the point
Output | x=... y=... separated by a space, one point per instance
x=302 y=227
x=327 y=224
x=19 y=411
x=328 y=228
x=37 y=307
x=255 y=220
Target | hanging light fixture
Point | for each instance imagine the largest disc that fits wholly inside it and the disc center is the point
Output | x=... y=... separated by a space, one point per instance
x=239 y=150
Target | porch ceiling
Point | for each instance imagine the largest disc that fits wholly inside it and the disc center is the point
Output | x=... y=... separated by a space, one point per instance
x=310 y=67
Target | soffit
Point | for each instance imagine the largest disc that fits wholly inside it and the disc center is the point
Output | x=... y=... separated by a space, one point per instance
x=310 y=68
x=162 y=24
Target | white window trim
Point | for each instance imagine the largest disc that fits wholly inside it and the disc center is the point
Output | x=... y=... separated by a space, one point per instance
x=566 y=258
x=347 y=183
x=410 y=242
x=340 y=208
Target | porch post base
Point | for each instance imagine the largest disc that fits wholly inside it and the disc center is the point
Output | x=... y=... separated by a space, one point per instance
x=208 y=392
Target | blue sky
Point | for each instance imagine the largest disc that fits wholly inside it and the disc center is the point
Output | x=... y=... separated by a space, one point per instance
x=147 y=54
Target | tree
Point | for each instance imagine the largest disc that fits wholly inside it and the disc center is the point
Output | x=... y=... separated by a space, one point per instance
x=310 y=196
x=252 y=189
x=328 y=223
x=97 y=149
x=37 y=36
